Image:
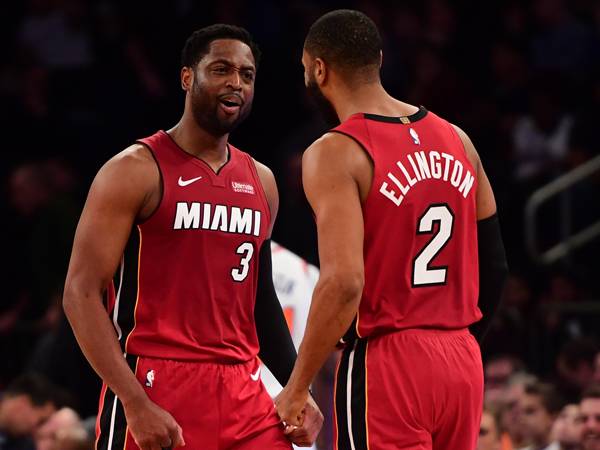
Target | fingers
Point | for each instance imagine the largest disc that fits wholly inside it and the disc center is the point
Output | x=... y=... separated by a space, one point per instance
x=177 y=437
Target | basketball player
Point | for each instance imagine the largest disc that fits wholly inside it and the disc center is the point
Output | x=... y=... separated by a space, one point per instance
x=401 y=200
x=182 y=221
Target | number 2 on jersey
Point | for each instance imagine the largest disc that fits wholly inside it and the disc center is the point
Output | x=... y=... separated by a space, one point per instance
x=423 y=273
x=240 y=273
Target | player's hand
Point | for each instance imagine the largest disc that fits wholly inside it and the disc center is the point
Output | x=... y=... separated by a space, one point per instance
x=306 y=435
x=152 y=427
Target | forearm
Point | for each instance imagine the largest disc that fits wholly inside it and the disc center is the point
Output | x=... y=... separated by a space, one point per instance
x=277 y=349
x=97 y=338
x=332 y=311
x=493 y=271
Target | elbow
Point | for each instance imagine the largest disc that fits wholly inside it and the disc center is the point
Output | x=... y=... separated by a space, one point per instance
x=68 y=299
x=346 y=286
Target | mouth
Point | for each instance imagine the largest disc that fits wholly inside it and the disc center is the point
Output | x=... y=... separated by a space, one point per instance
x=591 y=437
x=230 y=103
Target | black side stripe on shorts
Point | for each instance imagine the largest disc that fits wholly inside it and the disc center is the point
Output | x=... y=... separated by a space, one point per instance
x=113 y=426
x=351 y=401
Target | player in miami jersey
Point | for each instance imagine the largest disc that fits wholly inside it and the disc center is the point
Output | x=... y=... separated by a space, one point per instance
x=181 y=220
x=410 y=256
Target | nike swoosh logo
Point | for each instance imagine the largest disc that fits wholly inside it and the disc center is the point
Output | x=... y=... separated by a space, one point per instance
x=184 y=183
x=255 y=376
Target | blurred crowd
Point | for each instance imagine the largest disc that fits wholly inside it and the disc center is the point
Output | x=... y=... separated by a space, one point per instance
x=81 y=80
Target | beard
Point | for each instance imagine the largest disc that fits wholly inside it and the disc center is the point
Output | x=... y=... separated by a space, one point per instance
x=205 y=109
x=323 y=105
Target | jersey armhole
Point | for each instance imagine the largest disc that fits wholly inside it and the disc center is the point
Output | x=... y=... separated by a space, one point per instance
x=261 y=188
x=161 y=181
x=462 y=144
x=367 y=152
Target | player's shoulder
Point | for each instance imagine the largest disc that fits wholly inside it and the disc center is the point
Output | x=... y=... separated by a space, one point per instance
x=134 y=164
x=335 y=153
x=470 y=150
x=263 y=170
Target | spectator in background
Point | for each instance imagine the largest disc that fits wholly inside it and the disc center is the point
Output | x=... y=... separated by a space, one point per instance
x=497 y=371
x=575 y=366
x=541 y=137
x=489 y=431
x=538 y=408
x=568 y=427
x=512 y=436
x=63 y=431
x=597 y=368
x=590 y=416
x=25 y=404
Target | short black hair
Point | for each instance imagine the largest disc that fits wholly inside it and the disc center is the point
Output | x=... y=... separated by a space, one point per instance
x=345 y=38
x=39 y=390
x=578 y=351
x=197 y=45
x=548 y=394
x=592 y=391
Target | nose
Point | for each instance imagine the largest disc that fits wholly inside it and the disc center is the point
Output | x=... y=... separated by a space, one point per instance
x=234 y=80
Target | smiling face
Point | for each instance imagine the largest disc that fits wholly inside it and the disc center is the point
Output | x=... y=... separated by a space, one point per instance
x=220 y=88
x=590 y=416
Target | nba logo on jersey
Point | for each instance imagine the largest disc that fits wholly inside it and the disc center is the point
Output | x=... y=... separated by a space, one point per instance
x=415 y=136
x=150 y=378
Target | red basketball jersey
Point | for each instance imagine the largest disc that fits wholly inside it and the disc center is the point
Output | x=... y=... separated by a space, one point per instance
x=187 y=284
x=420 y=243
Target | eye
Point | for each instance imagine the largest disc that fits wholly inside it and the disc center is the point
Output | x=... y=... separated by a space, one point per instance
x=220 y=70
x=248 y=75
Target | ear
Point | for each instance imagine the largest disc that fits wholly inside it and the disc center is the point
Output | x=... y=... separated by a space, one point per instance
x=380 y=58
x=321 y=72
x=187 y=78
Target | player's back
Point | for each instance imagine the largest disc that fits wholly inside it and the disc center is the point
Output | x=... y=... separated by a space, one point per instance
x=420 y=243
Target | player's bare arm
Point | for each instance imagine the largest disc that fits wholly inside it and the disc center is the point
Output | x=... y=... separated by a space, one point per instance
x=305 y=435
x=331 y=172
x=125 y=190
x=493 y=267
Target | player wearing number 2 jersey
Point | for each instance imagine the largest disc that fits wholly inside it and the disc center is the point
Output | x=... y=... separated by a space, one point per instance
x=182 y=221
x=401 y=200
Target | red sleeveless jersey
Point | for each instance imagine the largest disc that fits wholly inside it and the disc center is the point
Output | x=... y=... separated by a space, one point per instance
x=420 y=243
x=186 y=287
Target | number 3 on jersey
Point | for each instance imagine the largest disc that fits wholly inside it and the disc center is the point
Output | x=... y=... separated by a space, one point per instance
x=241 y=272
x=423 y=273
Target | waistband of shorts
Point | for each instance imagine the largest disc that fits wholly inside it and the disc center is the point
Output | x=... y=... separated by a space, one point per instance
x=424 y=332
x=219 y=365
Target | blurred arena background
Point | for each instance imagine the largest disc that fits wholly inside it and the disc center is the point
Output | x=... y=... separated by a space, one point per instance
x=81 y=80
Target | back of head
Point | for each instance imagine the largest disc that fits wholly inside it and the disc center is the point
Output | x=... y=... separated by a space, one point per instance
x=348 y=41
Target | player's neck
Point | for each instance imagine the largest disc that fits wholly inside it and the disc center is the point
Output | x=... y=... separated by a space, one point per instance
x=200 y=143
x=370 y=98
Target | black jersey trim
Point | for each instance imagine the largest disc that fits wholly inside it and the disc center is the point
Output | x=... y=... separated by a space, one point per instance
x=161 y=181
x=421 y=113
x=113 y=425
x=216 y=172
x=352 y=370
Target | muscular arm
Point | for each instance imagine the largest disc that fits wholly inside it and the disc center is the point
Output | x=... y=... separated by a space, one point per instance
x=116 y=196
x=329 y=171
x=126 y=188
x=493 y=267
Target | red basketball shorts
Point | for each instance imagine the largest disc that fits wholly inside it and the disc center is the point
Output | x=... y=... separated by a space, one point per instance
x=219 y=407
x=414 y=389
